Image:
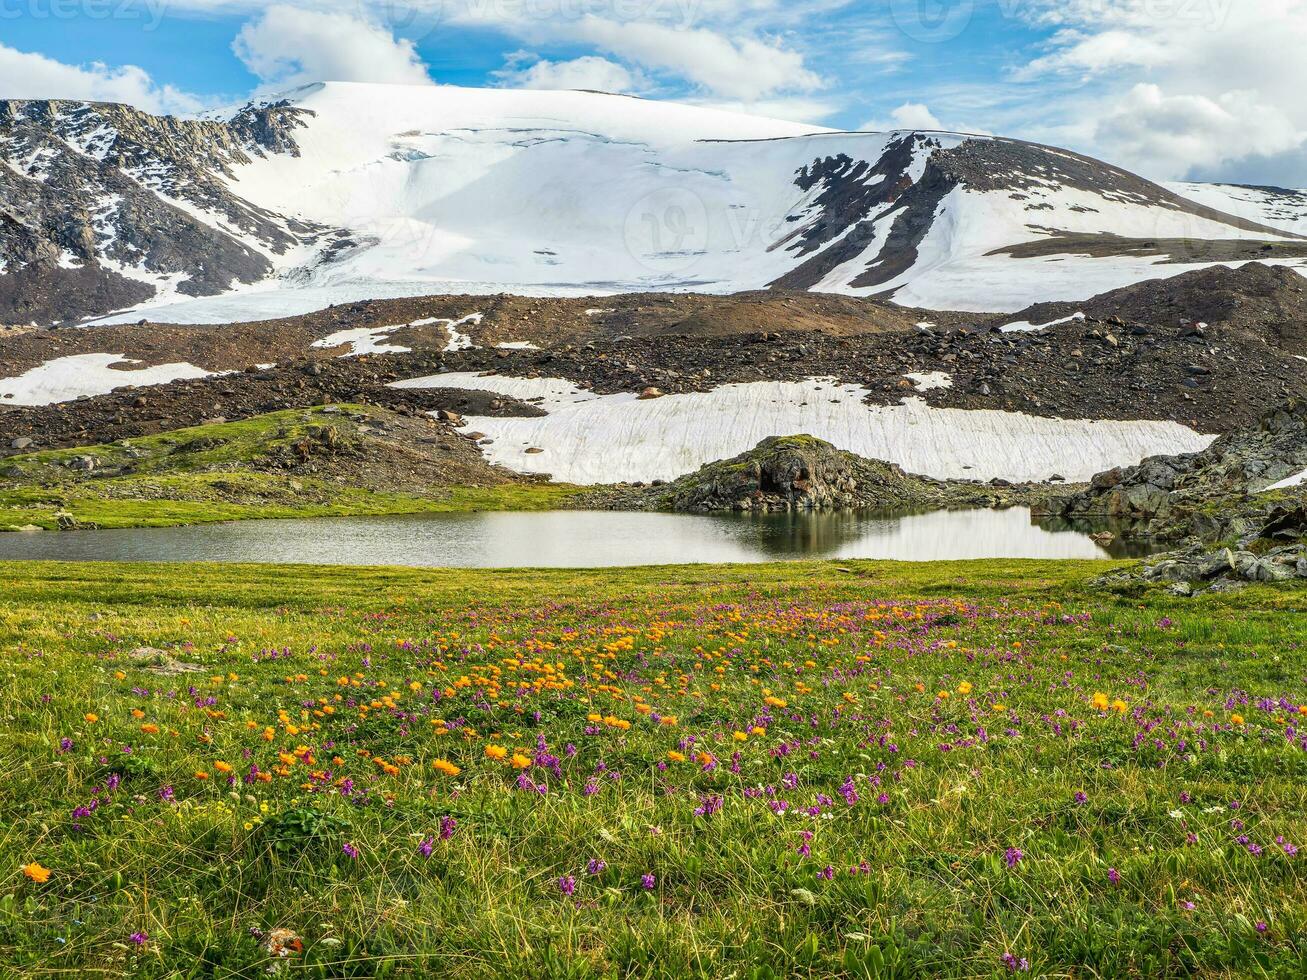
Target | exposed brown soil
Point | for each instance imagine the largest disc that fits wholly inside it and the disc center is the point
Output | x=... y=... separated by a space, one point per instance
x=506 y=319
x=1168 y=250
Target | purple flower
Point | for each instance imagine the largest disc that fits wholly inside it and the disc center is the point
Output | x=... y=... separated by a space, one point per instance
x=350 y=850
x=447 y=827
x=826 y=873
x=65 y=744
x=1081 y=798
x=708 y=805
x=648 y=881
x=596 y=866
x=1015 y=965
x=1262 y=927
x=425 y=847
x=139 y=937
x=567 y=884
x=1114 y=876
x=1012 y=856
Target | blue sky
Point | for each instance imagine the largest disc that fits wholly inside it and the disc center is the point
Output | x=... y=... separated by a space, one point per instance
x=1201 y=88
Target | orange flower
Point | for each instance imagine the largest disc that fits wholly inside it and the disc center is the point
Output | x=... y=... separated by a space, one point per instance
x=91 y=717
x=446 y=767
x=35 y=872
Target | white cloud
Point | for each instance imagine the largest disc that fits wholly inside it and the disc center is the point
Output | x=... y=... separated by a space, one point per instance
x=588 y=72
x=745 y=69
x=24 y=75
x=1179 y=133
x=289 y=46
x=910 y=115
x=1176 y=87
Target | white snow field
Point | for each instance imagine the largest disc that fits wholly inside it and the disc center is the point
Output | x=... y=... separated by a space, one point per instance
x=1285 y=209
x=66 y=378
x=590 y=439
x=457 y=190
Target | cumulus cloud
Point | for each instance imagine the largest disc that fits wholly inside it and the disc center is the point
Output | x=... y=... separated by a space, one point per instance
x=1177 y=134
x=1178 y=87
x=289 y=46
x=24 y=75
x=910 y=115
x=745 y=69
x=588 y=72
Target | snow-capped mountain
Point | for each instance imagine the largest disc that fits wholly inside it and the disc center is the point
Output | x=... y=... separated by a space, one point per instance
x=339 y=192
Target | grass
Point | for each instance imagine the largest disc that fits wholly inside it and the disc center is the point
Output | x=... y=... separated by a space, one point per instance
x=818 y=770
x=218 y=472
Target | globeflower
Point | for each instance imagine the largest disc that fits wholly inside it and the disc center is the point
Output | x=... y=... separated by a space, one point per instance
x=36 y=872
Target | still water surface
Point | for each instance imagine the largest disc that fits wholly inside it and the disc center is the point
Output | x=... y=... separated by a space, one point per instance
x=572 y=539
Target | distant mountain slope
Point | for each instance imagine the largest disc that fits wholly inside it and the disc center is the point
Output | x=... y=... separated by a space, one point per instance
x=338 y=192
x=1278 y=207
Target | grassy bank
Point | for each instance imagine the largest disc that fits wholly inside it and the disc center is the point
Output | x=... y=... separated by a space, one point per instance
x=860 y=769
x=250 y=470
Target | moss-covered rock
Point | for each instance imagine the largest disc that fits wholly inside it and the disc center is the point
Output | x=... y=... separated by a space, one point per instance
x=798 y=473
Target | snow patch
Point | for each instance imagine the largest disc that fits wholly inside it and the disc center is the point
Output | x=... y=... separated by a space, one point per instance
x=363 y=340
x=589 y=439
x=1025 y=326
x=1297 y=480
x=66 y=378
x=930 y=381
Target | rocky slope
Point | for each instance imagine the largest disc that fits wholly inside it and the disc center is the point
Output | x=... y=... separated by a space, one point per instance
x=1265 y=301
x=104 y=207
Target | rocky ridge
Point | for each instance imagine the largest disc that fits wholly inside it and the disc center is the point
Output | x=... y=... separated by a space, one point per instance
x=103 y=205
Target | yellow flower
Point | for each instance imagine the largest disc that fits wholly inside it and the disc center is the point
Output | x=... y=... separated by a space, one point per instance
x=1236 y=719
x=446 y=767
x=1100 y=701
x=36 y=872
x=520 y=761
x=964 y=687
x=497 y=752
x=675 y=756
x=222 y=767
x=91 y=717
x=1119 y=706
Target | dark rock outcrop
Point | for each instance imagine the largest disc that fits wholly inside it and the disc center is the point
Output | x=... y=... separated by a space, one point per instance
x=1197 y=495
x=102 y=203
x=798 y=473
